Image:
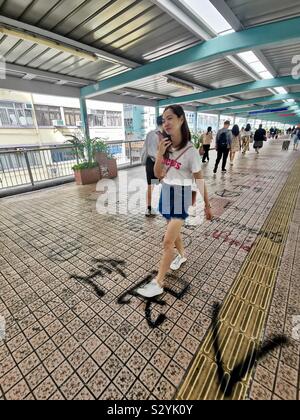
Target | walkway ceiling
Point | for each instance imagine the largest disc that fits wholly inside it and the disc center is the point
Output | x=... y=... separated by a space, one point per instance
x=72 y=44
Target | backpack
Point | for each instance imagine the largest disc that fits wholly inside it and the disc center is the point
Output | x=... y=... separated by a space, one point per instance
x=222 y=142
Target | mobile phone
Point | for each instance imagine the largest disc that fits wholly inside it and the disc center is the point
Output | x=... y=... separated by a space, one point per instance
x=166 y=136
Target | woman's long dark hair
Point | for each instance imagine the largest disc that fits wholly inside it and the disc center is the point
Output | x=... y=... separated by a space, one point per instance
x=248 y=128
x=186 y=136
x=235 y=130
x=209 y=130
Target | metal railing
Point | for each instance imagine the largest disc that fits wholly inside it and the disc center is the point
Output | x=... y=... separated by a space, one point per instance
x=35 y=167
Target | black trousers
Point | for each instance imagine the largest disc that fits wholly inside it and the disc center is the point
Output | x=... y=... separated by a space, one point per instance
x=222 y=153
x=206 y=148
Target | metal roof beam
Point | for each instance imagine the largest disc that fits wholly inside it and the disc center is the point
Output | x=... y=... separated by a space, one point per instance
x=244 y=87
x=122 y=99
x=253 y=101
x=47 y=74
x=269 y=34
x=231 y=111
x=43 y=88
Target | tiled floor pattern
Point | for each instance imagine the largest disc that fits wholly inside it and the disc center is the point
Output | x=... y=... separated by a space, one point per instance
x=238 y=329
x=63 y=341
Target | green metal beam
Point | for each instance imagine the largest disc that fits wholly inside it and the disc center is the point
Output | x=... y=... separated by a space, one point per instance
x=231 y=90
x=232 y=111
x=283 y=120
x=256 y=37
x=253 y=101
x=84 y=118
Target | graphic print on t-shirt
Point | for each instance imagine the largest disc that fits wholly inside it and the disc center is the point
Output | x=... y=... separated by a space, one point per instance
x=172 y=163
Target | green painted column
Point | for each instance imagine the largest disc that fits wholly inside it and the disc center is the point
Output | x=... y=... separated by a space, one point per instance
x=84 y=118
x=157 y=111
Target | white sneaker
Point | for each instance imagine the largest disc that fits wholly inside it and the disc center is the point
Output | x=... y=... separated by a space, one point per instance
x=150 y=290
x=177 y=263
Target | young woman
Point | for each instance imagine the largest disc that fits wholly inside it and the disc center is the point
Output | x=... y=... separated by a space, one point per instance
x=246 y=139
x=207 y=141
x=236 y=143
x=178 y=163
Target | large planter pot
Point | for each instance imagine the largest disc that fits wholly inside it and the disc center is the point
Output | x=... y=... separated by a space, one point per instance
x=112 y=168
x=108 y=167
x=101 y=158
x=87 y=176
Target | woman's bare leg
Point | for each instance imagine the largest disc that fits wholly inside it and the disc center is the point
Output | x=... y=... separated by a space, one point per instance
x=171 y=237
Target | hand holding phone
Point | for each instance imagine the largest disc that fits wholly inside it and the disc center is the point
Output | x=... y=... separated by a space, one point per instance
x=164 y=145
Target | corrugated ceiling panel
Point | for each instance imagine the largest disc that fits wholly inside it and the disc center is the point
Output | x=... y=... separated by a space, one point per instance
x=281 y=57
x=217 y=74
x=256 y=12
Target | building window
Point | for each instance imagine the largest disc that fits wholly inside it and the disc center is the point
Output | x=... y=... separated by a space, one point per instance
x=72 y=117
x=207 y=120
x=96 y=118
x=190 y=117
x=46 y=114
x=128 y=123
x=101 y=118
x=13 y=114
x=114 y=118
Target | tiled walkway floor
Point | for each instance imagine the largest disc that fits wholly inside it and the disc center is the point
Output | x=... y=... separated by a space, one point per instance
x=63 y=267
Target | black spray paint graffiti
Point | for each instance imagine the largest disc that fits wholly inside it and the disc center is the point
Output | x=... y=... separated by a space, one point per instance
x=243 y=368
x=111 y=265
x=103 y=265
x=125 y=298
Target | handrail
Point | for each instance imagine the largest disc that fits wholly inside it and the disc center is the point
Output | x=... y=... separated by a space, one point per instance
x=33 y=167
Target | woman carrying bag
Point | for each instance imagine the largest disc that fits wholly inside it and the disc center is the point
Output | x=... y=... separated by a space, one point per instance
x=178 y=163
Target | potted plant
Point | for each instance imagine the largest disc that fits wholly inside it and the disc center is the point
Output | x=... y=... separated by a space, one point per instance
x=87 y=172
x=101 y=151
x=197 y=139
x=112 y=166
x=106 y=161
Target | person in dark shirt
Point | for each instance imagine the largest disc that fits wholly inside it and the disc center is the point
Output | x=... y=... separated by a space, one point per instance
x=223 y=146
x=259 y=138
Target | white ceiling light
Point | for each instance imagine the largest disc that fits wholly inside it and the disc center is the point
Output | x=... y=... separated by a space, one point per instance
x=25 y=36
x=179 y=84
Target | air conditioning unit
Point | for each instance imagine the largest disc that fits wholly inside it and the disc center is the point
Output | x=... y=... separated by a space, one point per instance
x=58 y=123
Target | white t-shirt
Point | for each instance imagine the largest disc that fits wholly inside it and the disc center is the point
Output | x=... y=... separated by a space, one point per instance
x=182 y=170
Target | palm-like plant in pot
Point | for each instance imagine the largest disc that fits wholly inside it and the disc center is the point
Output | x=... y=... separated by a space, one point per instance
x=106 y=161
x=87 y=171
